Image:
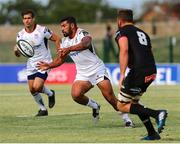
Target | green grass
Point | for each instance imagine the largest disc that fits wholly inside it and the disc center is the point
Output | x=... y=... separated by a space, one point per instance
x=71 y=122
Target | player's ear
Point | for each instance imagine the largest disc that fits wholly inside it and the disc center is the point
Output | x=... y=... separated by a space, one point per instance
x=33 y=19
x=119 y=22
x=72 y=25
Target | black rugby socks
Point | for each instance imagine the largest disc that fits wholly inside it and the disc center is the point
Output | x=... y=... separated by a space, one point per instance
x=141 y=110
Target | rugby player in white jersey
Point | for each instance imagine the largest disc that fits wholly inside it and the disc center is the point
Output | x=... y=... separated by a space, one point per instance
x=38 y=37
x=90 y=69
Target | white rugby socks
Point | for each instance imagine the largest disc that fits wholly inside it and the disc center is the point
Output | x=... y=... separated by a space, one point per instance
x=39 y=101
x=125 y=117
x=93 y=104
x=47 y=91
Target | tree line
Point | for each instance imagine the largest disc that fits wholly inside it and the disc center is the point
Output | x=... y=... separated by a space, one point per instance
x=84 y=10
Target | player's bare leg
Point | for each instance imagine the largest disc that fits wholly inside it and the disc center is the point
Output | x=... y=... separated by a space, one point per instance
x=35 y=87
x=107 y=91
x=79 y=88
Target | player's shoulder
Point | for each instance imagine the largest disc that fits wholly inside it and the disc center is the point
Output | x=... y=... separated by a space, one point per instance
x=81 y=31
x=43 y=29
x=40 y=28
x=126 y=30
x=119 y=33
x=21 y=33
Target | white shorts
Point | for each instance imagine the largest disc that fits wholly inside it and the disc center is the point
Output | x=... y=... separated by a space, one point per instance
x=95 y=78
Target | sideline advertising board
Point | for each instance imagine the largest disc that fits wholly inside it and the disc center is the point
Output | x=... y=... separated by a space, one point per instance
x=167 y=74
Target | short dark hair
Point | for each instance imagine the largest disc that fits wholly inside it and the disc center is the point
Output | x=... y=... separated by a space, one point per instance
x=69 y=19
x=126 y=15
x=28 y=11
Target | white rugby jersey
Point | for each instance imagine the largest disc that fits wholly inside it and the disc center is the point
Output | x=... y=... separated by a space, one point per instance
x=39 y=41
x=86 y=61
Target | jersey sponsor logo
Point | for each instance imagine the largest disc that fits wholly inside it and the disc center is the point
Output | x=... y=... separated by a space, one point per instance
x=99 y=77
x=150 y=78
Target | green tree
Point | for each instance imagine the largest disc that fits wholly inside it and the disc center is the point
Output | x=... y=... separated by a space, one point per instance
x=11 y=11
x=84 y=10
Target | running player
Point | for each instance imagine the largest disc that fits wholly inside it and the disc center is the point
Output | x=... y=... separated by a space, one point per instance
x=91 y=70
x=135 y=53
x=38 y=37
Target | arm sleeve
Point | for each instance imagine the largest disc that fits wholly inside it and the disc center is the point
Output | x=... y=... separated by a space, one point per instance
x=82 y=34
x=119 y=34
x=47 y=33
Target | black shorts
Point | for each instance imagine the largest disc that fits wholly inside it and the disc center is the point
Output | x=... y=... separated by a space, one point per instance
x=137 y=81
x=38 y=74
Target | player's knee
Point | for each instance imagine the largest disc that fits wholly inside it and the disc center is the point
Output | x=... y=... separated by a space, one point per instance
x=76 y=95
x=32 y=91
x=37 y=88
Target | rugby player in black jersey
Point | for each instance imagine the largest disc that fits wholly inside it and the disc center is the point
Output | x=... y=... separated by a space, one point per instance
x=135 y=54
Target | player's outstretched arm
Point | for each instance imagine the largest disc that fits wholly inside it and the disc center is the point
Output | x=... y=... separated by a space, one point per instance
x=45 y=66
x=16 y=51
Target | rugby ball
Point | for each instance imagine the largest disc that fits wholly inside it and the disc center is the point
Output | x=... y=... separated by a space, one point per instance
x=25 y=48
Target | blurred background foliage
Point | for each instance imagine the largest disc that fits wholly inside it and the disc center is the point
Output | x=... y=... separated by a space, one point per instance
x=83 y=10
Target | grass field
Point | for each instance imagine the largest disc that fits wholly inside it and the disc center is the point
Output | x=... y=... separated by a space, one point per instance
x=70 y=122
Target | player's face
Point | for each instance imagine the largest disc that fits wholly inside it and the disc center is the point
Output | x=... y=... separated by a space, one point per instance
x=28 y=21
x=66 y=28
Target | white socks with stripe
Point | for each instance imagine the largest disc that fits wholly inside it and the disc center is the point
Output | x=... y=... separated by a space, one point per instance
x=47 y=91
x=92 y=104
x=37 y=97
x=125 y=116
